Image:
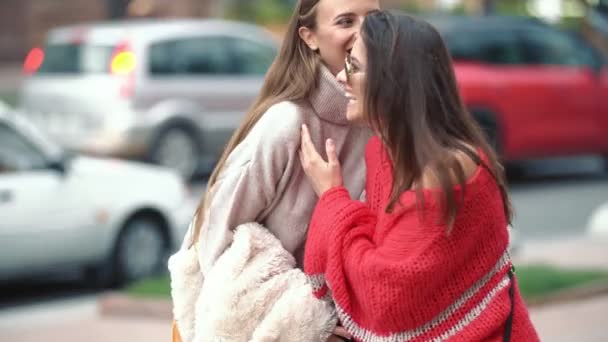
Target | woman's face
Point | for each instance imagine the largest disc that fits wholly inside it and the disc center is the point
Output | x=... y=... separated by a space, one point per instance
x=353 y=78
x=338 y=23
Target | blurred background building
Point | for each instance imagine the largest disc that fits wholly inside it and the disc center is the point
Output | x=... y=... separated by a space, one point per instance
x=23 y=23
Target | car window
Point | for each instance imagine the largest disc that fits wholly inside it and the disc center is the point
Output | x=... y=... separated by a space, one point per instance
x=17 y=153
x=76 y=59
x=549 y=47
x=190 y=56
x=489 y=46
x=251 y=58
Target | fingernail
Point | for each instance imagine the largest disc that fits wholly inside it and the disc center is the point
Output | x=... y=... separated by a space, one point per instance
x=330 y=142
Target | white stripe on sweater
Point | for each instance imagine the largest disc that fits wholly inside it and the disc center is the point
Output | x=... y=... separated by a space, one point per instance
x=473 y=314
x=317 y=281
x=408 y=335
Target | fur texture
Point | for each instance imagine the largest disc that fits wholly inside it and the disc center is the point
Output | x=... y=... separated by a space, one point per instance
x=253 y=292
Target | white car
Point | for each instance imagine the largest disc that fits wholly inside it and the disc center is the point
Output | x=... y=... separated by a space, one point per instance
x=116 y=221
x=173 y=91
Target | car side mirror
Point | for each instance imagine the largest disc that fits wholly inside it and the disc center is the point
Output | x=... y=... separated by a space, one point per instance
x=59 y=166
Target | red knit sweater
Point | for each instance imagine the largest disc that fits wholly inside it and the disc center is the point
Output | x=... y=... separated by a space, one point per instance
x=400 y=277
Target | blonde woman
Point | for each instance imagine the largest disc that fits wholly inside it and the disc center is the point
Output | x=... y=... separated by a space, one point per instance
x=259 y=177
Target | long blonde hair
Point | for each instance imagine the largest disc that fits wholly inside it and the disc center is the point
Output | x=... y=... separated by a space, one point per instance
x=291 y=77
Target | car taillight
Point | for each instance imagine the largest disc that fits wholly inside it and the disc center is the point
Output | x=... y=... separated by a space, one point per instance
x=33 y=61
x=123 y=64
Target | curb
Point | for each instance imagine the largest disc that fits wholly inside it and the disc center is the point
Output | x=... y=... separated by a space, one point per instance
x=120 y=305
x=585 y=291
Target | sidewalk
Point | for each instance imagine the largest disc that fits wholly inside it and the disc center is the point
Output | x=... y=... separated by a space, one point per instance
x=97 y=329
x=581 y=321
x=578 y=252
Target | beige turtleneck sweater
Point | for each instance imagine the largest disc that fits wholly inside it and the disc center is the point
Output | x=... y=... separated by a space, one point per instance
x=263 y=181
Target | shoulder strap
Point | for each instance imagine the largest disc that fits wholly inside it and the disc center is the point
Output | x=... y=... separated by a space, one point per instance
x=509 y=323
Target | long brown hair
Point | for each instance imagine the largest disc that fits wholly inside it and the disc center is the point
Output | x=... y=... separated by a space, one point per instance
x=412 y=101
x=291 y=77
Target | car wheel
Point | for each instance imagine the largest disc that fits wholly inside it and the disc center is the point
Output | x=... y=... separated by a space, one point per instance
x=177 y=148
x=141 y=250
x=487 y=122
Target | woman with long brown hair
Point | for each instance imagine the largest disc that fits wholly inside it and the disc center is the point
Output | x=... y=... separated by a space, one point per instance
x=259 y=177
x=425 y=258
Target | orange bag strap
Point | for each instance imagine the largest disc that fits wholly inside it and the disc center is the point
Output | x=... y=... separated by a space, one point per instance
x=175 y=336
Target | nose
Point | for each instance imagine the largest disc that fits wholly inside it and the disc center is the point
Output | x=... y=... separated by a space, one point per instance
x=342 y=77
x=352 y=40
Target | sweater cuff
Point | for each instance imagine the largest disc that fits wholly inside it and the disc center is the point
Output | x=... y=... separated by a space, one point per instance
x=334 y=196
x=331 y=207
x=322 y=222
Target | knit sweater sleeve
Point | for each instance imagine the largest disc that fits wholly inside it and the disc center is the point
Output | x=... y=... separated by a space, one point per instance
x=248 y=184
x=355 y=256
x=335 y=217
x=341 y=230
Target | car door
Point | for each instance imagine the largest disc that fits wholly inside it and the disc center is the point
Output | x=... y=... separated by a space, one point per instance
x=210 y=72
x=37 y=225
x=566 y=71
x=493 y=78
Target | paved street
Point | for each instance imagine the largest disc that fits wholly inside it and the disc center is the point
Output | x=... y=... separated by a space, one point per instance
x=49 y=313
x=94 y=330
x=557 y=197
x=582 y=321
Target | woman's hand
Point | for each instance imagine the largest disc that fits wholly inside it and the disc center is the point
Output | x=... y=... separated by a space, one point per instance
x=323 y=175
x=339 y=335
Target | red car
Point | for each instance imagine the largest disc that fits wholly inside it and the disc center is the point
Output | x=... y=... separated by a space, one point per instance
x=536 y=90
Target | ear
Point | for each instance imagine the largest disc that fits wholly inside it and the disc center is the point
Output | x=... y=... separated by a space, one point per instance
x=309 y=37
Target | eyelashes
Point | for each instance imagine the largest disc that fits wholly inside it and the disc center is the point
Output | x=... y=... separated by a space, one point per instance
x=346 y=22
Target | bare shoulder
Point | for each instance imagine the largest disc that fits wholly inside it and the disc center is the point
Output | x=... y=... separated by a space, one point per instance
x=469 y=166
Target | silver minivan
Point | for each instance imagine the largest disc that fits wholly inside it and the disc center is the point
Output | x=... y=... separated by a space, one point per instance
x=165 y=91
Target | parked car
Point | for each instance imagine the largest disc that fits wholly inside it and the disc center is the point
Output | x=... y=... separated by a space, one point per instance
x=170 y=92
x=536 y=90
x=115 y=220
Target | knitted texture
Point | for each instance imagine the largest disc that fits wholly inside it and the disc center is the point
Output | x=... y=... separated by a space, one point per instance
x=400 y=277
